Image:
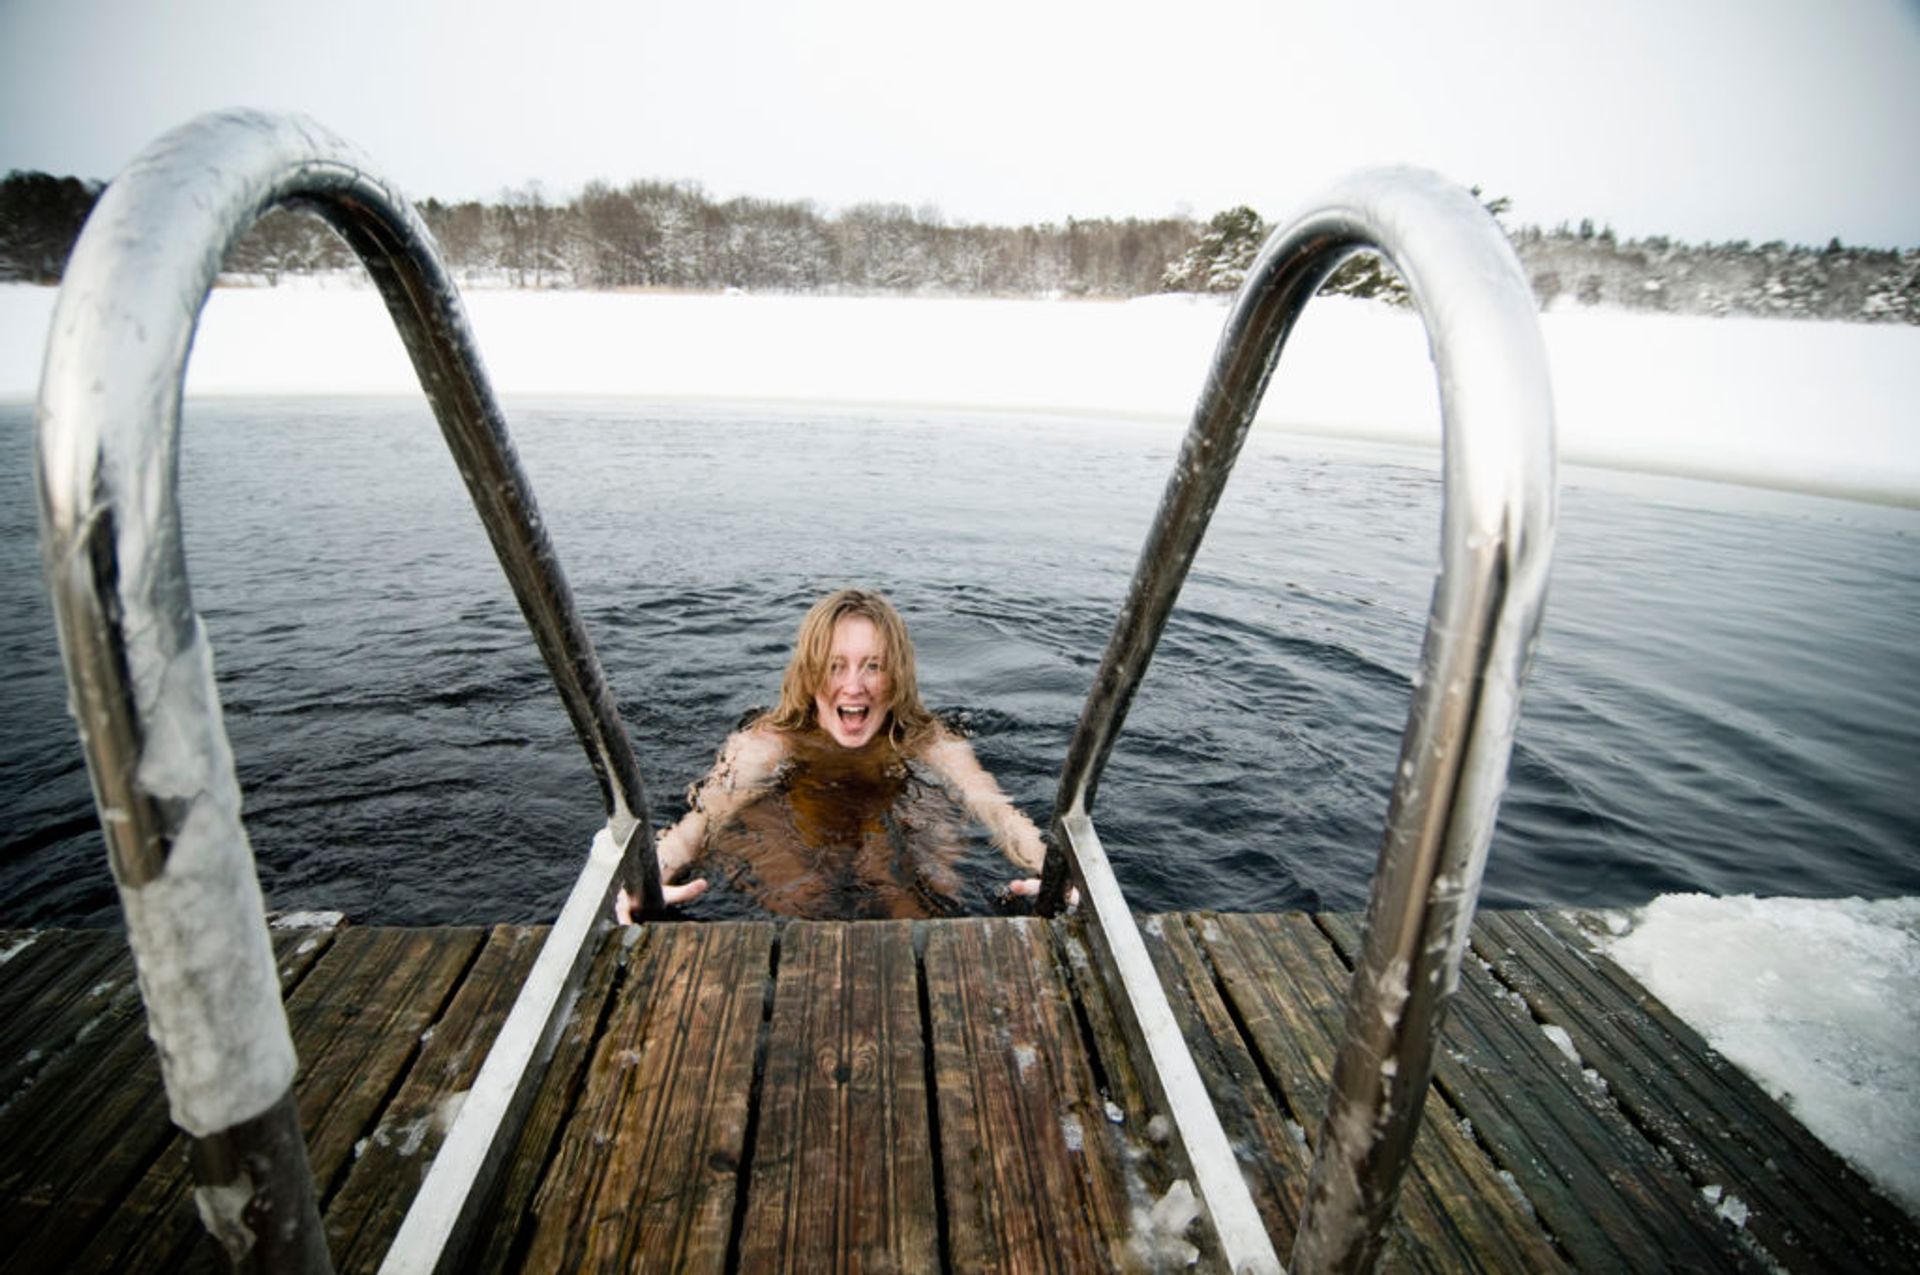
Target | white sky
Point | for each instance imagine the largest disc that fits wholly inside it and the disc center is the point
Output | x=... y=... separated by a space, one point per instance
x=1701 y=119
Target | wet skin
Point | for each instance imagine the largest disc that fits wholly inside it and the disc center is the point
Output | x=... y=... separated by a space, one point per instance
x=844 y=833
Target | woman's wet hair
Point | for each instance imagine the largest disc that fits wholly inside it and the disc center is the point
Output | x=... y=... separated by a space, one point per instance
x=909 y=723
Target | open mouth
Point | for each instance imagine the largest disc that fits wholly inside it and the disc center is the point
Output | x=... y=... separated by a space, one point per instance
x=853 y=716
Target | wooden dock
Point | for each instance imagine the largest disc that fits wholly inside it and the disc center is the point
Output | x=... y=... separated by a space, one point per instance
x=916 y=1096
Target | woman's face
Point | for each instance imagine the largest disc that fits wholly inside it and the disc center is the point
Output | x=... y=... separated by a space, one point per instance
x=852 y=700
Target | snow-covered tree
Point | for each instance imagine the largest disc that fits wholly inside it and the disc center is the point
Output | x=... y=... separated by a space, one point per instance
x=40 y=218
x=661 y=234
x=1220 y=260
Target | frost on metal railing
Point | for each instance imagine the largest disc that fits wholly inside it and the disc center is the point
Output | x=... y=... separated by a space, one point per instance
x=139 y=667
x=1496 y=543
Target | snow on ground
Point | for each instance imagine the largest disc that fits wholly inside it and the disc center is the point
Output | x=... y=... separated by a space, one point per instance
x=1825 y=407
x=1813 y=998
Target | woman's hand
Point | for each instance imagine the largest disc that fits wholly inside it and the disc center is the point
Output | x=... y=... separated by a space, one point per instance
x=1029 y=888
x=742 y=773
x=624 y=903
x=686 y=890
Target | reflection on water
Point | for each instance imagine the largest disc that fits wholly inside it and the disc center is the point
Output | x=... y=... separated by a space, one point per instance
x=851 y=835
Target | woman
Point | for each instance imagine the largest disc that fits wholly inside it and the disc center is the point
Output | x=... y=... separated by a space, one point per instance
x=846 y=750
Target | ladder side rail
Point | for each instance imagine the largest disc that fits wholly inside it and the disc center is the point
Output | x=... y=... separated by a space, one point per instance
x=1496 y=545
x=1243 y=363
x=139 y=666
x=1268 y=305
x=400 y=256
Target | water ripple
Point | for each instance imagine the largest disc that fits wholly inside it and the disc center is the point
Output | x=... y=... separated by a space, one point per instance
x=1725 y=697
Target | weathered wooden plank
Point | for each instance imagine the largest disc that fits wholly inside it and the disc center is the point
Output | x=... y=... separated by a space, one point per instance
x=390 y=1163
x=842 y=1173
x=32 y=960
x=85 y=1136
x=53 y=986
x=29 y=957
x=502 y=1239
x=296 y=950
x=1287 y=986
x=650 y=1168
x=1269 y=1145
x=84 y=1001
x=92 y=1176
x=1610 y=1199
x=96 y=1128
x=1035 y=1174
x=1152 y=1165
x=356 y=1020
x=357 y=1032
x=1803 y=1204
x=1113 y=1062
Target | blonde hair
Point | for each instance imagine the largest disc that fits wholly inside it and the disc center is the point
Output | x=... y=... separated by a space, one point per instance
x=909 y=723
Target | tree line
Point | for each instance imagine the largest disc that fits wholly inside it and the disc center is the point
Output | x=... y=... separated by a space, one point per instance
x=1590 y=267
x=674 y=236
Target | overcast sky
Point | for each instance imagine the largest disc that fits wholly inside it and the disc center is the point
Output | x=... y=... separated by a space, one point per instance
x=1700 y=119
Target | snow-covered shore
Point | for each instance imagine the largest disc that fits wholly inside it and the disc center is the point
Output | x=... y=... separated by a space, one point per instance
x=1823 y=407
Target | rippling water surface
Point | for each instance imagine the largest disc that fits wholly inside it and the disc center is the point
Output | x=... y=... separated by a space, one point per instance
x=1726 y=698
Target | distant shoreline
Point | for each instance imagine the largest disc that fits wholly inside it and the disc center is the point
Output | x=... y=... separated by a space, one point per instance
x=1820 y=406
x=653 y=233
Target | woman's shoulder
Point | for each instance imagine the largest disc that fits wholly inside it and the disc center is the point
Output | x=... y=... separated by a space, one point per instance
x=945 y=749
x=754 y=751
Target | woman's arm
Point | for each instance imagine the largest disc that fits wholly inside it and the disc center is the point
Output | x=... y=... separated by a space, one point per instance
x=745 y=769
x=953 y=760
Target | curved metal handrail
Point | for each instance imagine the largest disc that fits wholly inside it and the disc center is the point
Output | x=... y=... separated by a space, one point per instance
x=1497 y=534
x=138 y=662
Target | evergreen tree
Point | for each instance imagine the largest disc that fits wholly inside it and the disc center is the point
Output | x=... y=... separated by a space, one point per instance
x=40 y=218
x=1220 y=260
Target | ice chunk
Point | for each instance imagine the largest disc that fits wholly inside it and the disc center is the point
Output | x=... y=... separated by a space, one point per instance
x=1561 y=1041
x=1159 y=1238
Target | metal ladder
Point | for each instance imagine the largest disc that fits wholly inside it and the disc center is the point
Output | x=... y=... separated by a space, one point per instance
x=141 y=678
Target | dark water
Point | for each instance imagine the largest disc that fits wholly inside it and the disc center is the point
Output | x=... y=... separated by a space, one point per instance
x=1727 y=695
